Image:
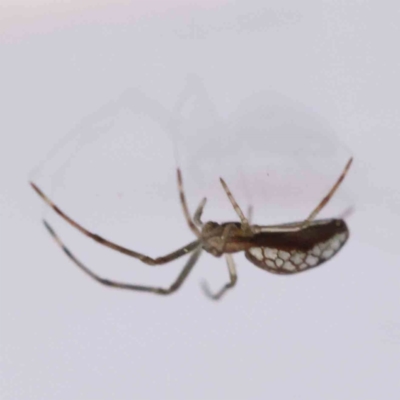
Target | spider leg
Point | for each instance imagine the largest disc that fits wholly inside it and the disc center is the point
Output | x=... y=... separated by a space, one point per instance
x=227 y=286
x=325 y=200
x=147 y=260
x=235 y=205
x=250 y=213
x=199 y=213
x=185 y=208
x=120 y=285
x=311 y=217
x=225 y=236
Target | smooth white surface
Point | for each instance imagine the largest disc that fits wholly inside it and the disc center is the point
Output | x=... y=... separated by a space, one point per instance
x=274 y=97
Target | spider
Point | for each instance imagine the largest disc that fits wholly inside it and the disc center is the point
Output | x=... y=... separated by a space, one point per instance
x=281 y=249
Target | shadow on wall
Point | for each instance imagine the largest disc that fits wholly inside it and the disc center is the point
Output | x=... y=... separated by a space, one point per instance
x=265 y=132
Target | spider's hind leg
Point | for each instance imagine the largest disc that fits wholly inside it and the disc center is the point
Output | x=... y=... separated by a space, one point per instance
x=199 y=212
x=325 y=200
x=304 y=224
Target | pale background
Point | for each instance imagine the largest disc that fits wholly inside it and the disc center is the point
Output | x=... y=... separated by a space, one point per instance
x=99 y=102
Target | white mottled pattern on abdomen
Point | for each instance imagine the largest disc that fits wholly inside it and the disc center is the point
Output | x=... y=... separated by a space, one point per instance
x=297 y=260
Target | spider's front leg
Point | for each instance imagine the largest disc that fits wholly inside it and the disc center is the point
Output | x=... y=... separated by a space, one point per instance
x=227 y=286
x=199 y=212
x=131 y=253
x=121 y=285
x=226 y=234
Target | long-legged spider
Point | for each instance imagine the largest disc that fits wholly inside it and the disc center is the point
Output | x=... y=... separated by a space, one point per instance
x=281 y=249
